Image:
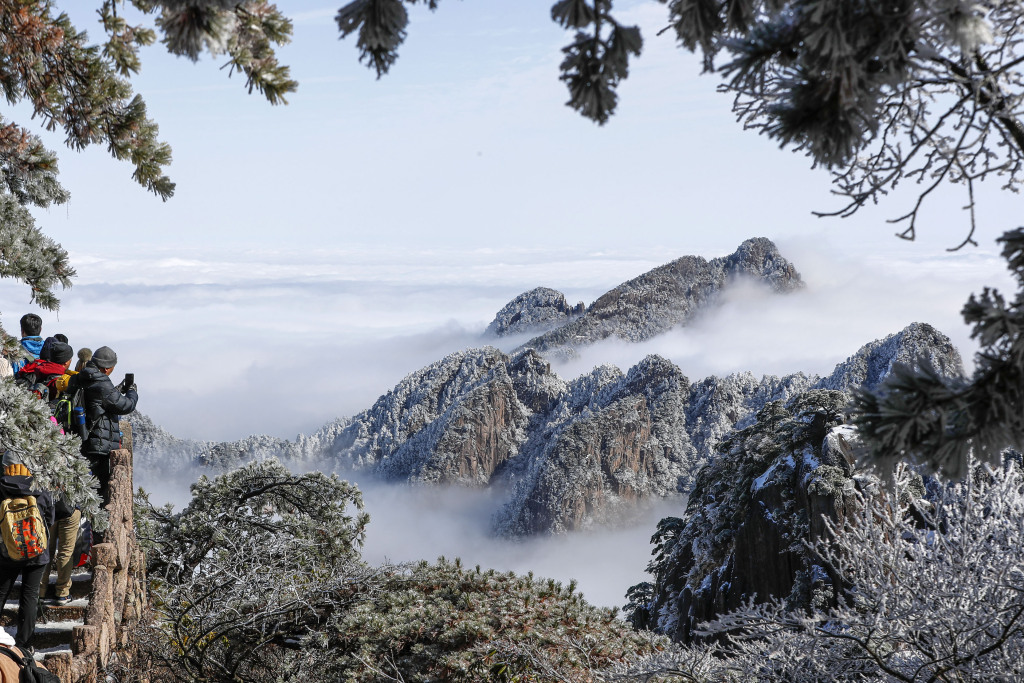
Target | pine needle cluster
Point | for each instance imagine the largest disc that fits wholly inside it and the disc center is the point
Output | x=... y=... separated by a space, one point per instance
x=940 y=422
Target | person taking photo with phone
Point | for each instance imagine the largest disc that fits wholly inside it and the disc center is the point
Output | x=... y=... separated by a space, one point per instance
x=104 y=404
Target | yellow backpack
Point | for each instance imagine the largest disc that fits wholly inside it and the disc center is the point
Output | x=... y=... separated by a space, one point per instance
x=22 y=528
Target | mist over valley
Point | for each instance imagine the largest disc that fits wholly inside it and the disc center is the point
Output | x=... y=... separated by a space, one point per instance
x=411 y=521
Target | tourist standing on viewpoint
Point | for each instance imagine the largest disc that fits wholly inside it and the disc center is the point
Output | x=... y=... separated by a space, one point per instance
x=104 y=404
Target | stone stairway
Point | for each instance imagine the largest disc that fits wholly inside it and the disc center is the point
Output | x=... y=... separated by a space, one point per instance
x=54 y=625
x=76 y=641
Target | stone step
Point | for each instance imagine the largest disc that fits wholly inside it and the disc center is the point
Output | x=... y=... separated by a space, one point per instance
x=81 y=584
x=50 y=637
x=53 y=624
x=73 y=611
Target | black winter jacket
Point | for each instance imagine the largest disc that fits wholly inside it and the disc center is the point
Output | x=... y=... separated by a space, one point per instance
x=17 y=486
x=103 y=404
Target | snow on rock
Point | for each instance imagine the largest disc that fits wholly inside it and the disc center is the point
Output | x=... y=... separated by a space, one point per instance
x=873 y=362
x=571 y=454
x=668 y=296
x=538 y=310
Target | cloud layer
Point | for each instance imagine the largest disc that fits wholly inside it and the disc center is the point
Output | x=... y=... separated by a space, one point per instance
x=227 y=345
x=224 y=346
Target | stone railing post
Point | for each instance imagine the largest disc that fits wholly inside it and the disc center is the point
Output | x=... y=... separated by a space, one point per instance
x=119 y=595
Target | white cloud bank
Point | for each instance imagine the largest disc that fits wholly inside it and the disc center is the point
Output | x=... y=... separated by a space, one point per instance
x=226 y=345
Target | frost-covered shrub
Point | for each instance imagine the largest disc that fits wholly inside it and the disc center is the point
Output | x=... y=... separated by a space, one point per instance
x=935 y=592
x=445 y=622
x=53 y=458
x=255 y=563
x=260 y=579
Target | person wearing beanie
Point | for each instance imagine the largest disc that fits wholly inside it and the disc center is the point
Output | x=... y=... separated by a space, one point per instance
x=48 y=371
x=104 y=404
x=63 y=354
x=17 y=482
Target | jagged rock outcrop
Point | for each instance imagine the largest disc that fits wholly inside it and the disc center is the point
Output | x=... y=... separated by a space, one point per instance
x=754 y=517
x=872 y=363
x=538 y=310
x=571 y=454
x=757 y=510
x=668 y=296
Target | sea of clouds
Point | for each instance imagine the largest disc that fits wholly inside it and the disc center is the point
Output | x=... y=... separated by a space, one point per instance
x=228 y=344
x=224 y=345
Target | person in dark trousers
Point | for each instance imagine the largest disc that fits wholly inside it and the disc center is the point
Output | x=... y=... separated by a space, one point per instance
x=17 y=482
x=104 y=404
x=31 y=326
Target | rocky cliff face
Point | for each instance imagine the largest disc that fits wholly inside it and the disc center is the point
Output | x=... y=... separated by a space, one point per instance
x=752 y=516
x=669 y=296
x=758 y=508
x=571 y=454
x=538 y=310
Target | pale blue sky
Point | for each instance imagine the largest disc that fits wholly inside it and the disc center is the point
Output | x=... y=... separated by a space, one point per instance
x=466 y=142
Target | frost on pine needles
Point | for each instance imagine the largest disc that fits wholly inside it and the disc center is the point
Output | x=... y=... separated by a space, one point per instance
x=934 y=591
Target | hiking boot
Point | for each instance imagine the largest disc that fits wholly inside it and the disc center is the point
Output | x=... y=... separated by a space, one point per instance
x=60 y=600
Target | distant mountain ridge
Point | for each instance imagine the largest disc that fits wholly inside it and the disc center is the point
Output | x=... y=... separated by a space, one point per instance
x=537 y=310
x=572 y=453
x=668 y=296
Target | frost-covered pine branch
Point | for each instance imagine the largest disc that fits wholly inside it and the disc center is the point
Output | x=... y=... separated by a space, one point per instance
x=935 y=593
x=940 y=421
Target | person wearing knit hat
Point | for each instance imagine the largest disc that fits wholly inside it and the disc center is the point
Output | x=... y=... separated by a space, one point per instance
x=61 y=353
x=17 y=483
x=48 y=371
x=104 y=404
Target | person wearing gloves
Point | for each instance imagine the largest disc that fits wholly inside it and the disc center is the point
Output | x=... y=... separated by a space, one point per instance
x=104 y=404
x=24 y=554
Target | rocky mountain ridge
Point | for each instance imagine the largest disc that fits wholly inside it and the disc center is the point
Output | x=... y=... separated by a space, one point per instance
x=571 y=453
x=668 y=296
x=537 y=310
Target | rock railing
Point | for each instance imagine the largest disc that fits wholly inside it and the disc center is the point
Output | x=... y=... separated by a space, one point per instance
x=118 y=599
